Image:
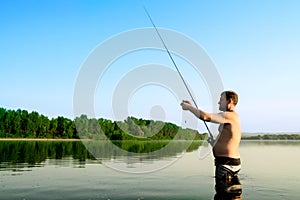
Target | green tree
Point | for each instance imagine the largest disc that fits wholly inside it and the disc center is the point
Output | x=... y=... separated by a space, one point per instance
x=60 y=129
x=24 y=123
x=16 y=123
x=33 y=124
x=82 y=125
x=53 y=127
x=44 y=129
x=2 y=119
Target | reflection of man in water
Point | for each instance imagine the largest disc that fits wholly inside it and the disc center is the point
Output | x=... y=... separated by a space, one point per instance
x=225 y=148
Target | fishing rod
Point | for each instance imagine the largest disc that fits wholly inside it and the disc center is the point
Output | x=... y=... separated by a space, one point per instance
x=211 y=138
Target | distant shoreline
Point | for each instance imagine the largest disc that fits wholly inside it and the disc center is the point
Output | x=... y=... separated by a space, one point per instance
x=270 y=137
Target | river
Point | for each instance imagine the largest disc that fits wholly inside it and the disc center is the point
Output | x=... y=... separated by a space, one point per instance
x=181 y=170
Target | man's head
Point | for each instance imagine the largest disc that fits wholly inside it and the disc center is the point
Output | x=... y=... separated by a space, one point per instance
x=228 y=100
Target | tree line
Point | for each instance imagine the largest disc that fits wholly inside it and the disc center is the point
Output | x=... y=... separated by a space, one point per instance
x=23 y=124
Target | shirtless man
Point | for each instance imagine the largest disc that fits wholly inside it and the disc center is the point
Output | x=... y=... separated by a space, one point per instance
x=225 y=149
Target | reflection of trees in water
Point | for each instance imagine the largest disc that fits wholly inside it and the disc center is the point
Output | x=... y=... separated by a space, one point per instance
x=31 y=153
x=34 y=153
x=106 y=149
x=131 y=152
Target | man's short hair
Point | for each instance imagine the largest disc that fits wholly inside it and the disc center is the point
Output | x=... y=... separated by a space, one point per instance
x=229 y=94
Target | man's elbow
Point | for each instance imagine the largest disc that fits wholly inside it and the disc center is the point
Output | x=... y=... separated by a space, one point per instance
x=206 y=117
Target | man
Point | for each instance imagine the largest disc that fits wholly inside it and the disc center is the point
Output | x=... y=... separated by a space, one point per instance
x=225 y=148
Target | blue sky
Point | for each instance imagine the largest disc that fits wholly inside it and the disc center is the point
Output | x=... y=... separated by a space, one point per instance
x=254 y=44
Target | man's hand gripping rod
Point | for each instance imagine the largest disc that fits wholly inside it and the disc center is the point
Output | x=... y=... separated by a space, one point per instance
x=210 y=139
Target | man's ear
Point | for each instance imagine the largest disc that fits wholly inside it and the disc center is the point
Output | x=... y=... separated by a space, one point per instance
x=230 y=101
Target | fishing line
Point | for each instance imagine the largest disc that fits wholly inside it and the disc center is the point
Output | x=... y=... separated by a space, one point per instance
x=210 y=139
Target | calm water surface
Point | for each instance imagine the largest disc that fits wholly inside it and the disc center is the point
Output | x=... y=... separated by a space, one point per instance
x=66 y=170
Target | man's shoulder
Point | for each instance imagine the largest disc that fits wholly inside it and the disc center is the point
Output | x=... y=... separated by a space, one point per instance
x=231 y=115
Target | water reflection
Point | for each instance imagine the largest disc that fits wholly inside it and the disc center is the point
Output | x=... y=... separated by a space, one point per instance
x=139 y=156
x=189 y=178
x=23 y=155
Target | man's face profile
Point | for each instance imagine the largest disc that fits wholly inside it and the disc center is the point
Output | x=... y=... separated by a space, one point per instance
x=223 y=103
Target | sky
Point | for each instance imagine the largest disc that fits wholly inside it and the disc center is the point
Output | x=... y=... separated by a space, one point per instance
x=254 y=46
